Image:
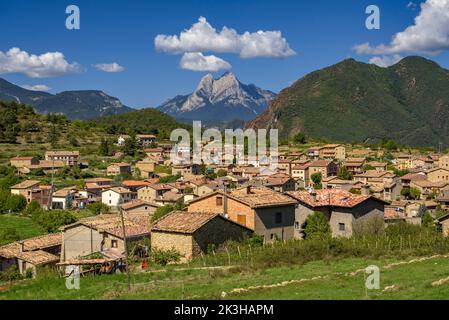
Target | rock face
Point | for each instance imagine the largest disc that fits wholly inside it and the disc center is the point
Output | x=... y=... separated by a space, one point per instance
x=358 y=102
x=221 y=100
x=86 y=104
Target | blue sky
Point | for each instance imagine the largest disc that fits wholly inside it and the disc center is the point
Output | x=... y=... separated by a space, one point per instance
x=320 y=33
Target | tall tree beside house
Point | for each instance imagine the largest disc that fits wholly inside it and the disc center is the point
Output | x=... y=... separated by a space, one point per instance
x=104 y=147
x=53 y=135
x=317 y=227
x=131 y=146
x=344 y=174
x=316 y=179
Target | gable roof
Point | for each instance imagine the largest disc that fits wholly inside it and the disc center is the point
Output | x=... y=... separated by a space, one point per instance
x=26 y=184
x=136 y=204
x=330 y=197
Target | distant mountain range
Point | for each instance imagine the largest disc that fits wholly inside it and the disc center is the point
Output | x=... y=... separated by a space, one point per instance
x=219 y=100
x=85 y=104
x=353 y=101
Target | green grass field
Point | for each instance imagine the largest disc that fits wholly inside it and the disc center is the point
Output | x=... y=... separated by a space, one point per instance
x=410 y=281
x=25 y=227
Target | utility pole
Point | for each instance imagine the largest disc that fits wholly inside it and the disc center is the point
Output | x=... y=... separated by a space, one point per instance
x=126 y=249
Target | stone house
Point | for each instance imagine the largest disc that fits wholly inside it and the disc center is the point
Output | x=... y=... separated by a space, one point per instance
x=102 y=234
x=139 y=207
x=333 y=152
x=153 y=191
x=71 y=158
x=438 y=174
x=325 y=167
x=63 y=198
x=267 y=212
x=192 y=233
x=280 y=182
x=21 y=162
x=354 y=165
x=25 y=189
x=444 y=223
x=146 y=167
x=31 y=253
x=118 y=168
x=341 y=208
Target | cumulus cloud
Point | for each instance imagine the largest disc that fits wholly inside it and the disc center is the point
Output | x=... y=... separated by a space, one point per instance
x=109 y=67
x=412 y=6
x=37 y=87
x=386 y=61
x=428 y=34
x=49 y=64
x=196 y=61
x=202 y=37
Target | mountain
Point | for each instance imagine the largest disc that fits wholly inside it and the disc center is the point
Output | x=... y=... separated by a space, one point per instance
x=85 y=104
x=219 y=100
x=353 y=101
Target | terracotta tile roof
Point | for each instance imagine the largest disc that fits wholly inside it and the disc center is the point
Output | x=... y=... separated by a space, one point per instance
x=154 y=150
x=319 y=163
x=134 y=183
x=38 y=257
x=96 y=180
x=329 y=197
x=62 y=153
x=41 y=242
x=135 y=224
x=119 y=190
x=51 y=164
x=170 y=196
x=26 y=184
x=90 y=185
x=22 y=158
x=136 y=204
x=259 y=197
x=120 y=164
x=278 y=179
x=414 y=177
x=430 y=184
x=183 y=222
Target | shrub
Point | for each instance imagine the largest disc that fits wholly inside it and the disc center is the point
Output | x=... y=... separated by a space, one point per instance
x=162 y=211
x=164 y=257
x=98 y=208
x=15 y=203
x=369 y=226
x=11 y=274
x=32 y=207
x=53 y=220
x=317 y=226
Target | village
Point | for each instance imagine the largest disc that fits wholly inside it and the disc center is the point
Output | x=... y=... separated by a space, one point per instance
x=186 y=209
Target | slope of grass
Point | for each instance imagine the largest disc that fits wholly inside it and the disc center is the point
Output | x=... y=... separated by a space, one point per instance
x=25 y=227
x=412 y=281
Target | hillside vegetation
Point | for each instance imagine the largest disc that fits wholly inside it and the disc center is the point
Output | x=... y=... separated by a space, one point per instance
x=357 y=102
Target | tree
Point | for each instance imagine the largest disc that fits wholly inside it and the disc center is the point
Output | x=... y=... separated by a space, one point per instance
x=162 y=211
x=32 y=208
x=53 y=136
x=415 y=194
x=317 y=226
x=300 y=138
x=344 y=174
x=15 y=203
x=98 y=208
x=316 y=179
x=222 y=173
x=51 y=221
x=427 y=221
x=131 y=146
x=104 y=147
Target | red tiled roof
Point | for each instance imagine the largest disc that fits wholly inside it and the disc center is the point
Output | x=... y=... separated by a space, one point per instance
x=329 y=197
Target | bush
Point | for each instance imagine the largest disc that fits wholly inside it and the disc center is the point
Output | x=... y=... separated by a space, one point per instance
x=98 y=208
x=317 y=226
x=162 y=211
x=369 y=226
x=10 y=274
x=51 y=221
x=164 y=257
x=32 y=207
x=15 y=203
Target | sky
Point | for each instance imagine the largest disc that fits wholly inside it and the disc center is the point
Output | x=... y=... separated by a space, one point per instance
x=145 y=52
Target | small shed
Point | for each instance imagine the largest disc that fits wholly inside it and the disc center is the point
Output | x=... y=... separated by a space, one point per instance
x=190 y=233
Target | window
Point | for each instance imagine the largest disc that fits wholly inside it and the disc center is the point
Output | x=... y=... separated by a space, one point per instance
x=114 y=244
x=296 y=225
x=272 y=236
x=278 y=217
x=341 y=227
x=219 y=201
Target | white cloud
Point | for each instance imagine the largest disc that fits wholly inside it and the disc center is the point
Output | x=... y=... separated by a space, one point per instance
x=202 y=37
x=196 y=61
x=386 y=61
x=49 y=64
x=109 y=67
x=429 y=33
x=37 y=87
x=412 y=6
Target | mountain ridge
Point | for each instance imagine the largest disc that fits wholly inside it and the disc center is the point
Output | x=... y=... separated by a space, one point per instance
x=76 y=104
x=225 y=98
x=355 y=101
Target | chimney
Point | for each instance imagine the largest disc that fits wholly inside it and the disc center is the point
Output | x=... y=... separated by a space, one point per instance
x=365 y=190
x=248 y=189
x=21 y=246
x=313 y=195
